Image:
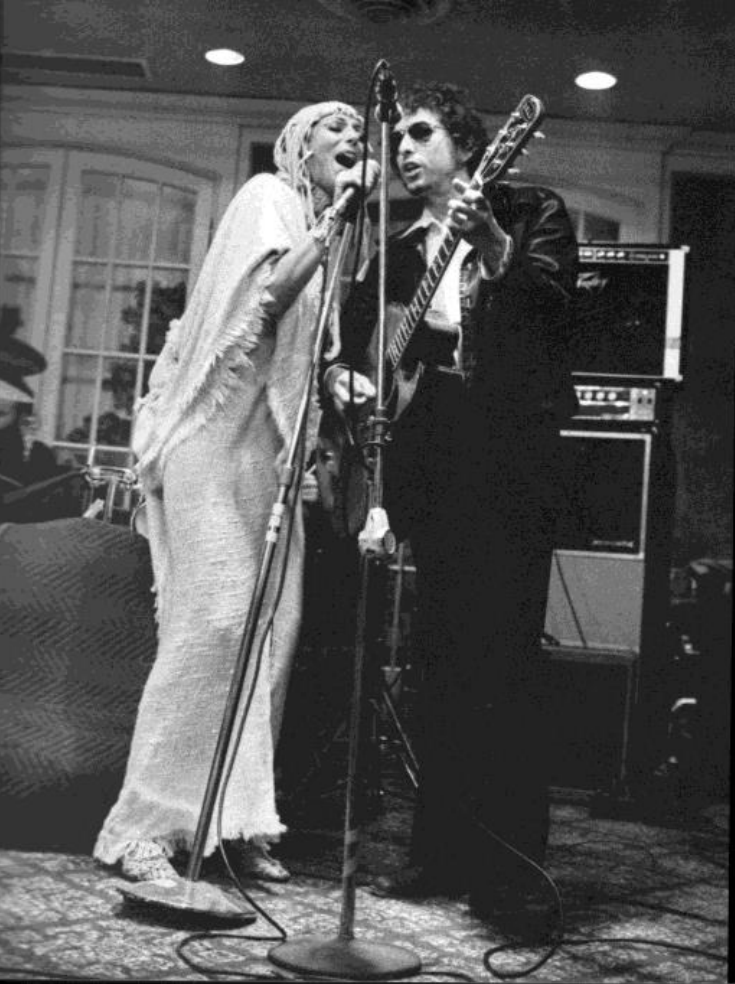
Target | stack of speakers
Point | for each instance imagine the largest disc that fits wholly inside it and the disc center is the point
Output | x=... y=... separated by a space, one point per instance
x=608 y=593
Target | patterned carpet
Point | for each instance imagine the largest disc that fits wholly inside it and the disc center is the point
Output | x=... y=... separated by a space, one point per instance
x=623 y=884
x=78 y=639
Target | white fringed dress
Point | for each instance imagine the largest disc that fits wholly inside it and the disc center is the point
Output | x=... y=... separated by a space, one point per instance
x=210 y=437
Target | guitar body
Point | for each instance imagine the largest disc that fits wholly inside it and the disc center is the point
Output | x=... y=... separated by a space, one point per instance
x=341 y=470
x=430 y=345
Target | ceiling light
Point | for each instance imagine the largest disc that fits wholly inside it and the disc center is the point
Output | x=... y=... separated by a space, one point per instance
x=595 y=80
x=224 y=56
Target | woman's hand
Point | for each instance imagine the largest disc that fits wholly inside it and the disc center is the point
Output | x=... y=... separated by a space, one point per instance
x=352 y=178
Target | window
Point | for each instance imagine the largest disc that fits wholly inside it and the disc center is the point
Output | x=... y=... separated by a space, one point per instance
x=261 y=158
x=131 y=237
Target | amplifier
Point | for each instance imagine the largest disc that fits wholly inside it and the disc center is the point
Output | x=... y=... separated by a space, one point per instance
x=608 y=401
x=592 y=696
x=629 y=311
x=635 y=402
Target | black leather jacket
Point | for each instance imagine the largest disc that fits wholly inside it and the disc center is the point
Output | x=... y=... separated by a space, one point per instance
x=522 y=321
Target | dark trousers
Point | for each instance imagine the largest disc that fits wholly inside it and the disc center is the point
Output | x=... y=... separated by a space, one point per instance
x=478 y=502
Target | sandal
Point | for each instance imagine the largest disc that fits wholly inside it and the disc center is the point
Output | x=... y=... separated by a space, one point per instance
x=254 y=859
x=147 y=861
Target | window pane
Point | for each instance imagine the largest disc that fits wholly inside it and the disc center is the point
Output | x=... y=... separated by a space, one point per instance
x=6 y=184
x=127 y=305
x=175 y=225
x=115 y=459
x=116 y=403
x=96 y=214
x=76 y=400
x=87 y=306
x=148 y=365
x=24 y=217
x=18 y=288
x=137 y=213
x=167 y=301
x=70 y=458
x=80 y=459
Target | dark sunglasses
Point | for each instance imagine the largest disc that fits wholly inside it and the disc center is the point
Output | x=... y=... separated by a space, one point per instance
x=420 y=133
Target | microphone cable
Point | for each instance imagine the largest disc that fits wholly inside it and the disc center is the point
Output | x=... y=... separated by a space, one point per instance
x=557 y=940
x=553 y=944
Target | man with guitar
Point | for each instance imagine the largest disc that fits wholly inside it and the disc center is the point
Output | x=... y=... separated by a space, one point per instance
x=478 y=393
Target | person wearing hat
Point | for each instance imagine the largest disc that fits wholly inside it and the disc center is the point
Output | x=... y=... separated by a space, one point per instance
x=23 y=461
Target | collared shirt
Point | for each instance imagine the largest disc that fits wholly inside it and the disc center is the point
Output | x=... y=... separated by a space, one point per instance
x=450 y=296
x=447 y=297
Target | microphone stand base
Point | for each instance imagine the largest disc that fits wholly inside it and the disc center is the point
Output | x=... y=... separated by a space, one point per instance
x=344 y=959
x=193 y=898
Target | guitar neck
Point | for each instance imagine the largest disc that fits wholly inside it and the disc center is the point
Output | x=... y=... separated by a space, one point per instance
x=498 y=156
x=422 y=298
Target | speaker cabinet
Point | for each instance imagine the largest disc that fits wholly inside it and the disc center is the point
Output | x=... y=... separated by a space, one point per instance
x=596 y=602
x=608 y=598
x=592 y=693
x=630 y=310
x=597 y=582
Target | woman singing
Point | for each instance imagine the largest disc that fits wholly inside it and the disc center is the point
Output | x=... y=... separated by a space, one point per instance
x=210 y=436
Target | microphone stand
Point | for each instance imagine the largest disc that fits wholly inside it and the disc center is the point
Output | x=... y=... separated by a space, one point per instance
x=343 y=957
x=188 y=894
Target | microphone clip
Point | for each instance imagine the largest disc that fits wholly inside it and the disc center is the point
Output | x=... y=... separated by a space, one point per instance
x=387 y=109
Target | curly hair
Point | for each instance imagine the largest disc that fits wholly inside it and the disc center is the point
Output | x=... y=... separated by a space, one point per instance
x=456 y=112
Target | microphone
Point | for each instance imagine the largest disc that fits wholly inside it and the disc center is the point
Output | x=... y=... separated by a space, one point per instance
x=352 y=194
x=388 y=109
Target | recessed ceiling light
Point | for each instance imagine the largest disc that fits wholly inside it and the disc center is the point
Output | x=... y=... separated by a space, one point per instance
x=595 y=80
x=224 y=56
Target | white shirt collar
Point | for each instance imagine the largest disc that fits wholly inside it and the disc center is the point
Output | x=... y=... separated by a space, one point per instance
x=425 y=221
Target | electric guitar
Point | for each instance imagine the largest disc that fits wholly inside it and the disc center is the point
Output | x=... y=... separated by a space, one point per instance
x=403 y=373
x=341 y=468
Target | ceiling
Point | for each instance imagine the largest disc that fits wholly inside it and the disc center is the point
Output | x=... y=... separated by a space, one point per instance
x=675 y=58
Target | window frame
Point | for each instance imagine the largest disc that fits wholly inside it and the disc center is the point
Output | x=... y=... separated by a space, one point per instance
x=54 y=342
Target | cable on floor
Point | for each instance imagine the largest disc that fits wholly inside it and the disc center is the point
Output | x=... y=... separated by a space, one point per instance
x=506 y=975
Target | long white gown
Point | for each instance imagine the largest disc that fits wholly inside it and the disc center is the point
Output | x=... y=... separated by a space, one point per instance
x=210 y=437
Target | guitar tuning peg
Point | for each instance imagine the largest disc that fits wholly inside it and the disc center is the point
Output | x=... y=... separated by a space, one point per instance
x=539 y=135
x=513 y=170
x=524 y=151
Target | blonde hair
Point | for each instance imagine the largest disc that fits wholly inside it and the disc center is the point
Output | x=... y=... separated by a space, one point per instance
x=292 y=149
x=291 y=154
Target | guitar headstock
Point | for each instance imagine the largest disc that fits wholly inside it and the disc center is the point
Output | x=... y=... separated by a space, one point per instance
x=510 y=141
